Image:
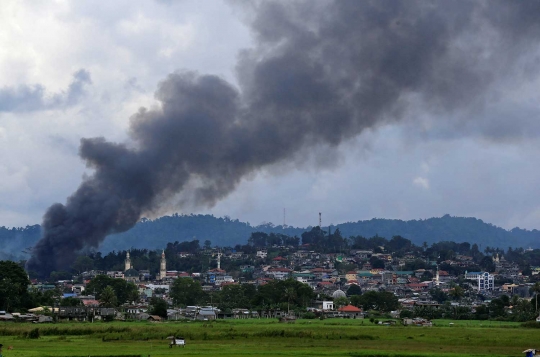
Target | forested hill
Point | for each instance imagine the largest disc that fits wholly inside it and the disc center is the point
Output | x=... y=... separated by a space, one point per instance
x=446 y=228
x=228 y=232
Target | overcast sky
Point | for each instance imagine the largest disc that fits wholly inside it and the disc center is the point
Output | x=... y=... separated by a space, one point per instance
x=75 y=69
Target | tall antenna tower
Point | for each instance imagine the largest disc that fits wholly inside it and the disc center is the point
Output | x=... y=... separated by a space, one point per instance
x=320 y=220
x=284 y=218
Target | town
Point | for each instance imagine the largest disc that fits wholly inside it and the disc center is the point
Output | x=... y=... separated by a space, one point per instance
x=320 y=275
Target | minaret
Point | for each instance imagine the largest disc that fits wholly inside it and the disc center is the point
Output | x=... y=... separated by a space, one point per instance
x=437 y=282
x=127 y=263
x=219 y=260
x=163 y=267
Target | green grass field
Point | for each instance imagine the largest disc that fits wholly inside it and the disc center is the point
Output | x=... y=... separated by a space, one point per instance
x=331 y=337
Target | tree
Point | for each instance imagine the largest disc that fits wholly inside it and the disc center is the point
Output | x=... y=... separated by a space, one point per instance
x=487 y=264
x=523 y=310
x=341 y=301
x=207 y=244
x=372 y=300
x=71 y=301
x=158 y=306
x=13 y=286
x=536 y=289
x=398 y=243
x=354 y=290
x=234 y=296
x=376 y=263
x=406 y=314
x=125 y=291
x=186 y=291
x=438 y=295
x=457 y=292
x=497 y=306
x=83 y=263
x=274 y=292
x=108 y=297
x=258 y=239
x=290 y=293
x=482 y=312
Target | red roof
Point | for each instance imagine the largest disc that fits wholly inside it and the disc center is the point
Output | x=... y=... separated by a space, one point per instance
x=228 y=283
x=349 y=308
x=279 y=258
x=325 y=283
x=90 y=302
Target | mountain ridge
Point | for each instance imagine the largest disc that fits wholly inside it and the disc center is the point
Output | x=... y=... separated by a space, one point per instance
x=224 y=231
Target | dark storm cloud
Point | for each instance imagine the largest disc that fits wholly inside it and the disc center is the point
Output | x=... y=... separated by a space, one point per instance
x=321 y=73
x=32 y=98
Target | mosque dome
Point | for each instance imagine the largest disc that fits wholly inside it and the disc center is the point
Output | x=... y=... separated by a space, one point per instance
x=131 y=273
x=338 y=293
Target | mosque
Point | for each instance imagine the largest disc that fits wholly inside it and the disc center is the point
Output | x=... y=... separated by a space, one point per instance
x=129 y=272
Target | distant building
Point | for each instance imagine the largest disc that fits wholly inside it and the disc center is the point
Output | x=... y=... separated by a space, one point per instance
x=485 y=280
x=351 y=311
x=127 y=263
x=163 y=267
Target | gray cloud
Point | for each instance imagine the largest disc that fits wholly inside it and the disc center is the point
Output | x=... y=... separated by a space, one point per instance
x=320 y=74
x=32 y=98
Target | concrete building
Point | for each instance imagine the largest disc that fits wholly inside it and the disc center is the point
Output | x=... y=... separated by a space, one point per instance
x=485 y=280
x=127 y=263
x=163 y=267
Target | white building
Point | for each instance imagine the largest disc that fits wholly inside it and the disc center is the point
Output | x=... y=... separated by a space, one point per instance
x=328 y=305
x=220 y=279
x=262 y=254
x=279 y=273
x=127 y=262
x=163 y=267
x=485 y=280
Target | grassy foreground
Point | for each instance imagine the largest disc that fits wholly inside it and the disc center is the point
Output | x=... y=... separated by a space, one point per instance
x=267 y=337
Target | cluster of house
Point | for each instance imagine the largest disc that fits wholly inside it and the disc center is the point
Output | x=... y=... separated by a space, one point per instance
x=318 y=270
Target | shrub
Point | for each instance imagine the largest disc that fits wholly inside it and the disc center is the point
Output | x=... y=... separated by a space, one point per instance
x=404 y=314
x=531 y=324
x=33 y=334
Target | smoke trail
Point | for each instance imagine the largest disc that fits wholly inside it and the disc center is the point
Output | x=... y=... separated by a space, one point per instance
x=320 y=73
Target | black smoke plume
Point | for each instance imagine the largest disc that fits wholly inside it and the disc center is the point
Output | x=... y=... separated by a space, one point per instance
x=320 y=73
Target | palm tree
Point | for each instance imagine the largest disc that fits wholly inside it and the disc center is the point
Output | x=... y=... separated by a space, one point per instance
x=108 y=297
x=457 y=292
x=290 y=293
x=536 y=289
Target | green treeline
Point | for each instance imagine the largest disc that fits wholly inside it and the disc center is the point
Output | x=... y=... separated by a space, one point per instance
x=153 y=234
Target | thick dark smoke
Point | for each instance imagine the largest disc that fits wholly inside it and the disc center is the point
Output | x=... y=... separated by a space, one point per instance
x=321 y=73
